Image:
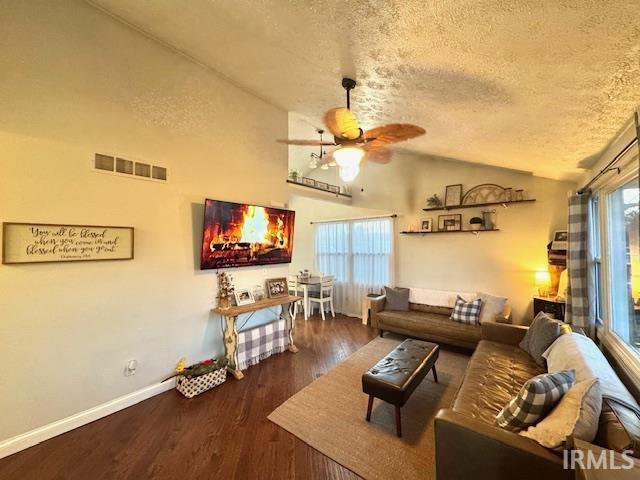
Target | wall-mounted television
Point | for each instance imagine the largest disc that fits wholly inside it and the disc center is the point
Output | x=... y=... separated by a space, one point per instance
x=241 y=235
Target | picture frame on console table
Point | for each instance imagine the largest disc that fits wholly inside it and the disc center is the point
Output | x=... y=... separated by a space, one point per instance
x=26 y=243
x=277 y=287
x=244 y=296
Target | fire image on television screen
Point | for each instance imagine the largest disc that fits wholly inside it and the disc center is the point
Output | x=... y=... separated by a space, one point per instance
x=237 y=235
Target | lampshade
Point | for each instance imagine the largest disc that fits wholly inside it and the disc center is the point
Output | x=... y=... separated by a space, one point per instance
x=348 y=160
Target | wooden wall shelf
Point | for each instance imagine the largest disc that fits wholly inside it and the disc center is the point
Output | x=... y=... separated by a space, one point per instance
x=316 y=189
x=477 y=205
x=475 y=232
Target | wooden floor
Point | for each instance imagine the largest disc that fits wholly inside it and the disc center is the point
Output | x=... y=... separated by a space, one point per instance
x=221 y=434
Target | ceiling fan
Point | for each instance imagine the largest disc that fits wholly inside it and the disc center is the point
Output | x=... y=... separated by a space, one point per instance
x=353 y=143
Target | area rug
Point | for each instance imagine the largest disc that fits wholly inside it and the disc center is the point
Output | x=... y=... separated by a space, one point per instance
x=329 y=415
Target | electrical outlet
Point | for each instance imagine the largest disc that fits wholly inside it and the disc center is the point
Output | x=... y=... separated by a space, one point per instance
x=130 y=368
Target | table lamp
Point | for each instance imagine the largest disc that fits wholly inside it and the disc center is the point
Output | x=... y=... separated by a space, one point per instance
x=543 y=281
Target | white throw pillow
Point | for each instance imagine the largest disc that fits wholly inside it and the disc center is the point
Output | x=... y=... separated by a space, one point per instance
x=492 y=306
x=580 y=353
x=437 y=298
x=577 y=415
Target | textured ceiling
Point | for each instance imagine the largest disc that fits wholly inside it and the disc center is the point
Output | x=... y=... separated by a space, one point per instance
x=536 y=86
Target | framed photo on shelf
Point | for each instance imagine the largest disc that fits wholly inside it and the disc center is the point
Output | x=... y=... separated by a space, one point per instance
x=426 y=225
x=334 y=189
x=450 y=223
x=453 y=196
x=560 y=240
x=322 y=185
x=309 y=182
x=244 y=296
x=277 y=287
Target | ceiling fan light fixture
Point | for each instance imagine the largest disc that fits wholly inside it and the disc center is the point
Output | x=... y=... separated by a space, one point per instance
x=348 y=160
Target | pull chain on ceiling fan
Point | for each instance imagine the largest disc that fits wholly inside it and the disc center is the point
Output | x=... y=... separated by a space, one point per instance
x=353 y=143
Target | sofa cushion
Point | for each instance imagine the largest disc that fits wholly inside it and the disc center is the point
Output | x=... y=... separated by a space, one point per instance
x=537 y=397
x=575 y=417
x=418 y=307
x=619 y=428
x=496 y=373
x=543 y=331
x=434 y=324
x=397 y=299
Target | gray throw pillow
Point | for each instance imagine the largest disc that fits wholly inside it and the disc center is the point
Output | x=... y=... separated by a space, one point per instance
x=543 y=331
x=397 y=299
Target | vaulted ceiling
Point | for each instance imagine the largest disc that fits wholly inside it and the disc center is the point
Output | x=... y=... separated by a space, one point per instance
x=535 y=86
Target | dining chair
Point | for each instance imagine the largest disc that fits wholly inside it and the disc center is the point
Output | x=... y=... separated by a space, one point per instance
x=324 y=295
x=294 y=289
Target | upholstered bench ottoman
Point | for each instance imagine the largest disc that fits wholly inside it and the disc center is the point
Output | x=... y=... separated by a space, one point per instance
x=395 y=377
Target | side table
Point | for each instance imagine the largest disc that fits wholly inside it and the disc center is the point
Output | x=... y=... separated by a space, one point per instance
x=366 y=306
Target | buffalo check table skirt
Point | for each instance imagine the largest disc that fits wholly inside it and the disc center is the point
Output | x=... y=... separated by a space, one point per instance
x=261 y=342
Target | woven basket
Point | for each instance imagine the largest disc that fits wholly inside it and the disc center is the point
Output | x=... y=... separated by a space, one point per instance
x=190 y=387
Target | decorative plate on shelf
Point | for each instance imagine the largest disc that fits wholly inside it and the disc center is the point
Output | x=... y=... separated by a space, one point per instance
x=485 y=193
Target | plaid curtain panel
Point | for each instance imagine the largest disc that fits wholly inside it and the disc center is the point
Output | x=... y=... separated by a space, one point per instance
x=261 y=342
x=535 y=399
x=467 y=312
x=580 y=291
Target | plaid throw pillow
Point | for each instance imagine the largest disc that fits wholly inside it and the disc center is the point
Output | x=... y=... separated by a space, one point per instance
x=535 y=399
x=467 y=312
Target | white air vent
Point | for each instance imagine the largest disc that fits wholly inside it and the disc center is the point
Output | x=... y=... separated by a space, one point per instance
x=117 y=165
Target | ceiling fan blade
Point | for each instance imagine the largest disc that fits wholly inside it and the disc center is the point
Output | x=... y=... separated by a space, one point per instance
x=393 y=133
x=306 y=143
x=380 y=155
x=342 y=123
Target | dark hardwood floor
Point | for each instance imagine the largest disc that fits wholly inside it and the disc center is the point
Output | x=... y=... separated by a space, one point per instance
x=221 y=434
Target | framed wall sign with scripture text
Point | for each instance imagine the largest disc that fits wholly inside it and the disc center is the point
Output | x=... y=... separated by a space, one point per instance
x=44 y=243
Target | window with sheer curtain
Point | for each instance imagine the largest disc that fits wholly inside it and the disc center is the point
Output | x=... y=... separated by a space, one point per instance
x=359 y=253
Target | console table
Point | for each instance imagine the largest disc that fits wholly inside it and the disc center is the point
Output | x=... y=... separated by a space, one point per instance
x=230 y=316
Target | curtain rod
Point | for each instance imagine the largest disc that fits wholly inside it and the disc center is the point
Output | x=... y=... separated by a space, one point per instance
x=610 y=166
x=389 y=215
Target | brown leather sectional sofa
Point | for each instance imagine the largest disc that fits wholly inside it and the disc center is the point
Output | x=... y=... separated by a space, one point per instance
x=468 y=443
x=428 y=323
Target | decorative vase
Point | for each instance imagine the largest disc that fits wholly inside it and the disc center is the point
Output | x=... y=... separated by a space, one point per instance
x=224 y=302
x=489 y=219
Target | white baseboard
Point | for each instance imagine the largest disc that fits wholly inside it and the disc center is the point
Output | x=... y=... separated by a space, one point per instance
x=33 y=437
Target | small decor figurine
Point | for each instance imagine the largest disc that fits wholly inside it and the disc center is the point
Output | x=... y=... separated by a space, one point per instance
x=434 y=201
x=476 y=223
x=225 y=289
x=199 y=377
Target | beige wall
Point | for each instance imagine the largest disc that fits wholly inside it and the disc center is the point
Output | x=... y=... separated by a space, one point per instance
x=75 y=82
x=501 y=262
